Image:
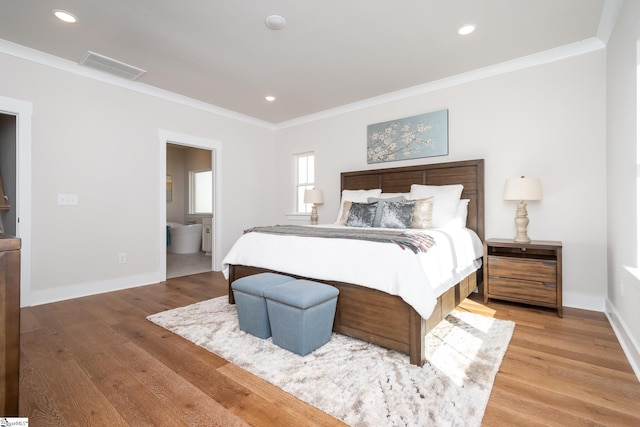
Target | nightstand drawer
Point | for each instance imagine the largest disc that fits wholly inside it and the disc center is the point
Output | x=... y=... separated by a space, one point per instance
x=522 y=268
x=523 y=290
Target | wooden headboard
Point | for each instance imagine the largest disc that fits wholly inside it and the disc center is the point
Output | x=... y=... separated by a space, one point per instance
x=469 y=173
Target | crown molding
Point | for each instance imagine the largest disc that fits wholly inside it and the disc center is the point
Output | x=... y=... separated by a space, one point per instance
x=49 y=60
x=545 y=57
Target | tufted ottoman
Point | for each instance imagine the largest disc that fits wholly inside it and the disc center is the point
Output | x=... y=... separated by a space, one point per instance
x=301 y=314
x=252 y=308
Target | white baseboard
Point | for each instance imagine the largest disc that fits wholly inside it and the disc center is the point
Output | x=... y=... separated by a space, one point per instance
x=629 y=345
x=86 y=289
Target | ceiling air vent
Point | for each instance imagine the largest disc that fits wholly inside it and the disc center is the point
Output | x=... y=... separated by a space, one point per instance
x=111 y=66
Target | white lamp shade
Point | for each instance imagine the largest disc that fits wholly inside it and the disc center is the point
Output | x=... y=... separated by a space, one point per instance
x=313 y=196
x=523 y=189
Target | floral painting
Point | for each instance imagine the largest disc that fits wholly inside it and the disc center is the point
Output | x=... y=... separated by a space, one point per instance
x=414 y=137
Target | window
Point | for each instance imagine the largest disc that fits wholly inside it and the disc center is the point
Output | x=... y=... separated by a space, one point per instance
x=304 y=179
x=200 y=192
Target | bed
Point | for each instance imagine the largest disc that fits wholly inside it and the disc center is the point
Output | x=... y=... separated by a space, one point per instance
x=376 y=315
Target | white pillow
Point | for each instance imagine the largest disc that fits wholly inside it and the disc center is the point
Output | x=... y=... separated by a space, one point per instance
x=359 y=196
x=445 y=201
x=461 y=214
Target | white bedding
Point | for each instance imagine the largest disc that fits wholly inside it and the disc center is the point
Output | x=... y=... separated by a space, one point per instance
x=417 y=278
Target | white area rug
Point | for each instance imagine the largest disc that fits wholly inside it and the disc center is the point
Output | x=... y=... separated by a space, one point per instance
x=360 y=383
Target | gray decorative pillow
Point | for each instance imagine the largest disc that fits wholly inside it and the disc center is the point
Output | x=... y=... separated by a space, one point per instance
x=381 y=202
x=362 y=214
x=397 y=214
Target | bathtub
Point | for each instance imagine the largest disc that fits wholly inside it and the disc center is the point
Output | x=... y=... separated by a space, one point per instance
x=185 y=239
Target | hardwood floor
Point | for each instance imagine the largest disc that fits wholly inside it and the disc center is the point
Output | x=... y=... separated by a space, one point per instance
x=98 y=361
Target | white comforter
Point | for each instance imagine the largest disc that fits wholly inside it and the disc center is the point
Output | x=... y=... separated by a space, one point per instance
x=417 y=278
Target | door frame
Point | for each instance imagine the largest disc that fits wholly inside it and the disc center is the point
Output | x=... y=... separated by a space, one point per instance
x=23 y=111
x=171 y=137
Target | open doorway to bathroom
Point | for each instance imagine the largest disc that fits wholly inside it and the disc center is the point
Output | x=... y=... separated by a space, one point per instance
x=214 y=147
x=189 y=214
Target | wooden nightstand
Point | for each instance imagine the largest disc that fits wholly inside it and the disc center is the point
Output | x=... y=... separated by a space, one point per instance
x=529 y=273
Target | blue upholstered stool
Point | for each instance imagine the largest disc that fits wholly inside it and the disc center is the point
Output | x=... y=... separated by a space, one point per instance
x=252 y=308
x=301 y=314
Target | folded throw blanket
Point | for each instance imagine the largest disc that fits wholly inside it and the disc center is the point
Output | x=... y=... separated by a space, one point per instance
x=417 y=242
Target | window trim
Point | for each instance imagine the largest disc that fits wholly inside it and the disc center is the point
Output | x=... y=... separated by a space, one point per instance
x=298 y=185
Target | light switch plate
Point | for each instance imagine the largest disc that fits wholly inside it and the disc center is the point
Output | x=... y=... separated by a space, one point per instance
x=67 y=199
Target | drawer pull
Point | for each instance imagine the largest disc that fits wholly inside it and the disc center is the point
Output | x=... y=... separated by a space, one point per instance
x=494 y=259
x=494 y=277
x=549 y=264
x=549 y=285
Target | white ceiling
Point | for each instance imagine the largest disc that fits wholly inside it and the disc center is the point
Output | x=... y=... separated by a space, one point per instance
x=330 y=54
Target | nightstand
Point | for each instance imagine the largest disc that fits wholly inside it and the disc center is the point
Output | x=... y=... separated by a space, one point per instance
x=529 y=273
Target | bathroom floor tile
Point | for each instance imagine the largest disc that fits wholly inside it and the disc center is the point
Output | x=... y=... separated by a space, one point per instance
x=185 y=264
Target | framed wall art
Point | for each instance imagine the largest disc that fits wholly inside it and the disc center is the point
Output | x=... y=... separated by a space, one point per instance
x=425 y=135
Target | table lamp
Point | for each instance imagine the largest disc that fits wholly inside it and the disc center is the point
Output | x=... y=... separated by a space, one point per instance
x=522 y=189
x=314 y=197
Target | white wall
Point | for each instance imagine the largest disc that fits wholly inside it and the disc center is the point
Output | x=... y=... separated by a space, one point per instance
x=622 y=176
x=546 y=121
x=101 y=142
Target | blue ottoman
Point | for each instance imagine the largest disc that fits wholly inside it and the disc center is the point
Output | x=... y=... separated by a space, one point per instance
x=252 y=309
x=301 y=314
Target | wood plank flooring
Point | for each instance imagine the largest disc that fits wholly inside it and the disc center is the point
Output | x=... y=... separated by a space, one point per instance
x=97 y=361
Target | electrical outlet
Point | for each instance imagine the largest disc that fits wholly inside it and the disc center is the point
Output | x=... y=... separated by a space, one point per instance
x=122 y=258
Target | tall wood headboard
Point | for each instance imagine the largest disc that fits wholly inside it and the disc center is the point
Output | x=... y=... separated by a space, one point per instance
x=469 y=173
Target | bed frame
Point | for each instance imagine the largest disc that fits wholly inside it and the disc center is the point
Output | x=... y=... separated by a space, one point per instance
x=381 y=318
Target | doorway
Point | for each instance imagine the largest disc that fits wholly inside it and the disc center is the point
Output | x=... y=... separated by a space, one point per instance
x=189 y=210
x=16 y=146
x=169 y=141
x=8 y=174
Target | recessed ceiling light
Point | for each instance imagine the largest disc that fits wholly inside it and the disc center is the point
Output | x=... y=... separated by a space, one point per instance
x=65 y=16
x=466 y=29
x=275 y=22
x=270 y=98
